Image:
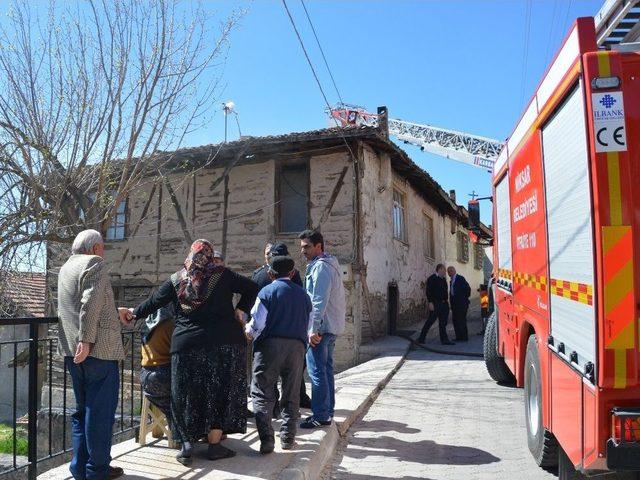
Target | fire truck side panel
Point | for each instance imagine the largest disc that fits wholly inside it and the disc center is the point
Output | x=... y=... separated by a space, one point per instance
x=529 y=243
x=589 y=425
x=566 y=407
x=617 y=225
x=506 y=324
x=529 y=229
x=569 y=224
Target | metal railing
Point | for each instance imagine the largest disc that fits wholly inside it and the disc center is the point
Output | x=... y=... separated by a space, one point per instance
x=42 y=385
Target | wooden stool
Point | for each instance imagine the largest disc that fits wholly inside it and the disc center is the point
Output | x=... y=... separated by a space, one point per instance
x=157 y=427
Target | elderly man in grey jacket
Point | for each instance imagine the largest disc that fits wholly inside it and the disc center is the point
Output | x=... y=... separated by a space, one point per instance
x=91 y=343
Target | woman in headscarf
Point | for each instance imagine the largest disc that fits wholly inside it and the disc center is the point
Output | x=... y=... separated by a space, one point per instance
x=208 y=350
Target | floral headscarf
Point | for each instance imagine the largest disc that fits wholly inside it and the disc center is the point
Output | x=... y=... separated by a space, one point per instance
x=193 y=281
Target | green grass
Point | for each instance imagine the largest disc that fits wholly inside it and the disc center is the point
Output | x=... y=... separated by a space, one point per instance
x=6 y=440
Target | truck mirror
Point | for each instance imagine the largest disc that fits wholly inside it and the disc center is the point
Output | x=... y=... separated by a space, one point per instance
x=474 y=215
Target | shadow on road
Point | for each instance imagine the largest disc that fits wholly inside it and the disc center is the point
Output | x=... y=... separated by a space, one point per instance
x=426 y=452
x=352 y=476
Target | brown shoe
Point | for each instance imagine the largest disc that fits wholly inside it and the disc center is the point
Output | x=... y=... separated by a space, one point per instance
x=115 y=472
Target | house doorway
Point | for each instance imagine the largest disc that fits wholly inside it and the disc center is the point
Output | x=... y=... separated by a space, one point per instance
x=393 y=308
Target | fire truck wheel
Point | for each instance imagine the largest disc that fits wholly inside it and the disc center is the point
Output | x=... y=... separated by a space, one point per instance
x=542 y=444
x=566 y=470
x=495 y=364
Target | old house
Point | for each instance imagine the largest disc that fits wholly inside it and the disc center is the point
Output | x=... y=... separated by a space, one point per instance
x=386 y=220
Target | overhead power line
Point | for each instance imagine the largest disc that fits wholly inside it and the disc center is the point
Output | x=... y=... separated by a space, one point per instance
x=525 y=56
x=315 y=75
x=326 y=63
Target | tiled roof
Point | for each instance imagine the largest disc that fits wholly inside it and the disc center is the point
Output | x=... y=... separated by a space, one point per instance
x=26 y=292
x=222 y=154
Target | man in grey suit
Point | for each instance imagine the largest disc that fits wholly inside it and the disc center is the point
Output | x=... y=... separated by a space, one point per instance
x=90 y=340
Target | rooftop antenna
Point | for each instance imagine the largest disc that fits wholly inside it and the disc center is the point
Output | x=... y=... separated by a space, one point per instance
x=227 y=108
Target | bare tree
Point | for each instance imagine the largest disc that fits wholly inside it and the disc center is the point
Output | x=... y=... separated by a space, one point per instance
x=89 y=95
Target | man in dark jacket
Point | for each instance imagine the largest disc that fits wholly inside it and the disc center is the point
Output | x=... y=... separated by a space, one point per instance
x=459 y=293
x=261 y=275
x=279 y=326
x=437 y=299
x=262 y=278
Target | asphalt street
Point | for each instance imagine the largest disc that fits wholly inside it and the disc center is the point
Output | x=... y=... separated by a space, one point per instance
x=440 y=418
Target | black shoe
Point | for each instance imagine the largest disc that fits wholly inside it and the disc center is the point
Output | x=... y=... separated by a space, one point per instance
x=267 y=445
x=114 y=472
x=462 y=339
x=184 y=457
x=305 y=402
x=448 y=342
x=310 y=422
x=287 y=443
x=215 y=451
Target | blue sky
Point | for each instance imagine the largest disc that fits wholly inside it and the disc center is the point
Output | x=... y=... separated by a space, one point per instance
x=452 y=64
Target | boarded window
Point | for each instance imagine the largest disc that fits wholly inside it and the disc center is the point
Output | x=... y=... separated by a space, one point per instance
x=478 y=258
x=463 y=247
x=429 y=237
x=293 y=199
x=399 y=223
x=116 y=230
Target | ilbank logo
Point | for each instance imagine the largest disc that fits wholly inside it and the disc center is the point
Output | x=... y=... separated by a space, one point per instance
x=608 y=106
x=608 y=101
x=608 y=122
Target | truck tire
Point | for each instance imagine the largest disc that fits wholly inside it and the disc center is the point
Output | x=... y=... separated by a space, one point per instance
x=495 y=364
x=542 y=444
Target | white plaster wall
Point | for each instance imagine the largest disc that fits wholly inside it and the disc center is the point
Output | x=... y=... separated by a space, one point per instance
x=405 y=263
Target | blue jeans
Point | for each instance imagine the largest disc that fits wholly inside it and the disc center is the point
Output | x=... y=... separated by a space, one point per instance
x=320 y=366
x=95 y=385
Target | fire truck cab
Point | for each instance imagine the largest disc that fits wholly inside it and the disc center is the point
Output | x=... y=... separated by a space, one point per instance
x=566 y=222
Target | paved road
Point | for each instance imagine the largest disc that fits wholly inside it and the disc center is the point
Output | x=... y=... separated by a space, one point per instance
x=440 y=418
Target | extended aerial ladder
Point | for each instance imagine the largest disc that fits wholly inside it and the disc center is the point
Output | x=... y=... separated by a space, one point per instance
x=470 y=149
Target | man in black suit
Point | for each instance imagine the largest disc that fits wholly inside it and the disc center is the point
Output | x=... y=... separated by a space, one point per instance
x=459 y=293
x=437 y=299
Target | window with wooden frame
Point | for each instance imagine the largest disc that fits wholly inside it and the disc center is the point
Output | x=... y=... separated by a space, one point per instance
x=429 y=237
x=292 y=195
x=463 y=247
x=399 y=212
x=117 y=229
x=478 y=258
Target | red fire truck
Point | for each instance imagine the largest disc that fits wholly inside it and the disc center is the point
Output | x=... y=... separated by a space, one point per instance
x=566 y=222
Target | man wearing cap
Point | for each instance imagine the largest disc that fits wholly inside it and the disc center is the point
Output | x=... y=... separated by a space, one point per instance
x=263 y=279
x=279 y=326
x=261 y=275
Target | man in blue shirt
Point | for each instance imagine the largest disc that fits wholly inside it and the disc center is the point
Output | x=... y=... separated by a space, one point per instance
x=279 y=328
x=324 y=285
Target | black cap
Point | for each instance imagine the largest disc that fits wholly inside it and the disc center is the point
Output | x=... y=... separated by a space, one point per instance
x=281 y=265
x=279 y=250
